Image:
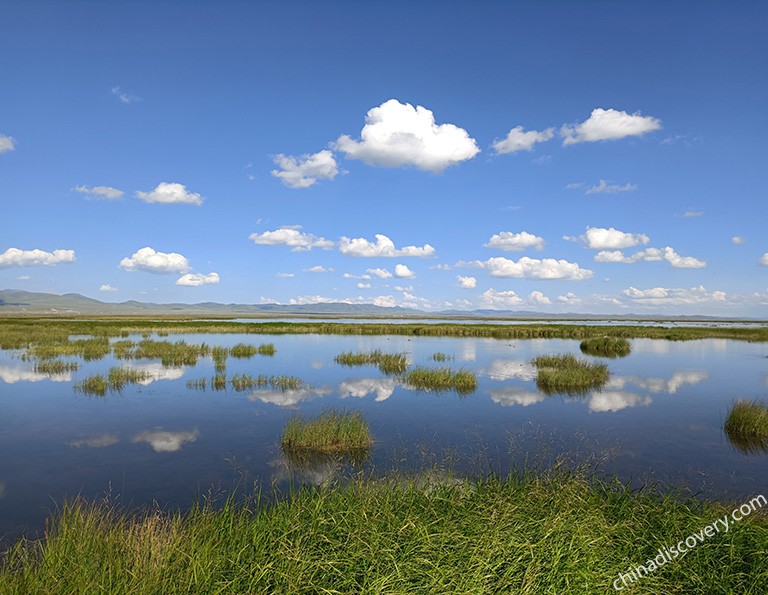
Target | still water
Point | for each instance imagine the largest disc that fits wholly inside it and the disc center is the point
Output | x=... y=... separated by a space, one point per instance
x=659 y=419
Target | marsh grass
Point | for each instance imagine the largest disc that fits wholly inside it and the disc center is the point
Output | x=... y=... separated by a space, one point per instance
x=332 y=430
x=441 y=357
x=171 y=354
x=526 y=534
x=441 y=380
x=567 y=374
x=219 y=356
x=246 y=382
x=388 y=363
x=115 y=380
x=54 y=367
x=95 y=385
x=606 y=347
x=747 y=426
x=94 y=348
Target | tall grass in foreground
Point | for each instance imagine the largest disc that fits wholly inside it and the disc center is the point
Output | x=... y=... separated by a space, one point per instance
x=388 y=363
x=332 y=430
x=747 y=426
x=568 y=374
x=526 y=534
x=441 y=379
x=606 y=347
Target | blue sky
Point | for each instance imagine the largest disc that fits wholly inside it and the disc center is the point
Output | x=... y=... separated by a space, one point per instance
x=595 y=157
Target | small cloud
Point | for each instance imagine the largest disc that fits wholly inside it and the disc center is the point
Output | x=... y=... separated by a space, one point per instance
x=466 y=282
x=658 y=296
x=605 y=188
x=351 y=276
x=13 y=257
x=7 y=144
x=403 y=272
x=170 y=193
x=500 y=299
x=165 y=441
x=383 y=246
x=380 y=273
x=107 y=287
x=693 y=214
x=764 y=260
x=515 y=242
x=543 y=160
x=601 y=238
x=99 y=441
x=285 y=275
x=126 y=98
x=518 y=140
x=569 y=298
x=317 y=269
x=574 y=185
x=738 y=240
x=306 y=170
x=531 y=268
x=148 y=260
x=363 y=285
x=23 y=278
x=650 y=255
x=291 y=236
x=106 y=192
x=441 y=267
x=608 y=124
x=539 y=299
x=197 y=279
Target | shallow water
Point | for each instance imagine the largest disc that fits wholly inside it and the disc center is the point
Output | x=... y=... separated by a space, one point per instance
x=659 y=419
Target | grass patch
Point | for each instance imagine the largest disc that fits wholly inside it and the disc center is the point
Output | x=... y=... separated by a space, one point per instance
x=568 y=374
x=441 y=379
x=606 y=346
x=95 y=385
x=747 y=426
x=331 y=431
x=388 y=363
x=246 y=382
x=55 y=367
x=219 y=356
x=441 y=357
x=89 y=349
x=115 y=380
x=171 y=355
x=527 y=534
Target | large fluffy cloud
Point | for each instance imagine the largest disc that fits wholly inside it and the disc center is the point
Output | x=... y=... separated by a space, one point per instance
x=652 y=254
x=601 y=238
x=148 y=260
x=382 y=247
x=13 y=257
x=197 y=279
x=291 y=235
x=6 y=144
x=658 y=296
x=531 y=268
x=608 y=124
x=171 y=193
x=518 y=140
x=305 y=171
x=106 y=192
x=515 y=242
x=397 y=134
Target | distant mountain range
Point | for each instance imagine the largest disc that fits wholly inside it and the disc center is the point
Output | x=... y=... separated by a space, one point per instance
x=16 y=302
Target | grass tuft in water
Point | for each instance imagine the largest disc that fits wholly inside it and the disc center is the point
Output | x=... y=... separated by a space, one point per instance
x=441 y=379
x=116 y=379
x=332 y=430
x=388 y=363
x=219 y=356
x=567 y=374
x=606 y=346
x=747 y=426
x=441 y=357
x=54 y=367
x=95 y=385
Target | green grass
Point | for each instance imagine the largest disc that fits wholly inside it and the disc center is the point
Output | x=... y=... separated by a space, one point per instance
x=89 y=349
x=606 y=347
x=95 y=385
x=441 y=357
x=171 y=354
x=747 y=426
x=331 y=431
x=388 y=363
x=246 y=382
x=115 y=380
x=55 y=367
x=567 y=374
x=441 y=379
x=526 y=534
x=219 y=356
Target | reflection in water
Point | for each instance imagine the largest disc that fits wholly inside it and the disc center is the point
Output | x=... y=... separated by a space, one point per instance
x=316 y=468
x=96 y=441
x=2 y=489
x=616 y=400
x=468 y=352
x=155 y=371
x=289 y=398
x=12 y=374
x=747 y=444
x=166 y=441
x=507 y=369
x=515 y=396
x=362 y=387
x=659 y=385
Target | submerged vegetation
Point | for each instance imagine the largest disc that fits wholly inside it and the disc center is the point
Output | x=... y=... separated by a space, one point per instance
x=747 y=426
x=568 y=374
x=441 y=379
x=606 y=346
x=246 y=382
x=388 y=363
x=332 y=430
x=527 y=533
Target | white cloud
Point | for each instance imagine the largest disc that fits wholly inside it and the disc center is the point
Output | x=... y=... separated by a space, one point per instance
x=107 y=287
x=600 y=238
x=763 y=259
x=197 y=279
x=13 y=257
x=509 y=396
x=608 y=124
x=380 y=273
x=291 y=236
x=517 y=140
x=531 y=268
x=165 y=441
x=305 y=171
x=126 y=98
x=738 y=240
x=507 y=369
x=148 y=260
x=23 y=278
x=693 y=214
x=539 y=299
x=500 y=299
x=397 y=134
x=289 y=398
x=616 y=401
x=515 y=242
x=605 y=188
x=569 y=298
x=441 y=267
x=652 y=255
x=7 y=144
x=170 y=193
x=466 y=282
x=99 y=441
x=351 y=276
x=403 y=272
x=284 y=275
x=363 y=285
x=106 y=192
x=13 y=374
x=658 y=296
x=574 y=185
x=317 y=269
x=382 y=247
x=362 y=387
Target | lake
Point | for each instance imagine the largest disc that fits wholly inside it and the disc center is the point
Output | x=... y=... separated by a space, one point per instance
x=659 y=419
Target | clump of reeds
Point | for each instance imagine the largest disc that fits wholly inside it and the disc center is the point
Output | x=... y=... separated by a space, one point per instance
x=441 y=379
x=243 y=351
x=199 y=384
x=267 y=349
x=219 y=356
x=89 y=349
x=219 y=382
x=55 y=367
x=116 y=379
x=171 y=354
x=246 y=382
x=747 y=426
x=606 y=346
x=331 y=431
x=568 y=374
x=441 y=357
x=96 y=385
x=388 y=363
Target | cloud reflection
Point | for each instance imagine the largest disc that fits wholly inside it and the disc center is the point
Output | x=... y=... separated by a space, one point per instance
x=508 y=397
x=289 y=398
x=156 y=371
x=13 y=374
x=616 y=401
x=507 y=369
x=362 y=387
x=96 y=441
x=166 y=441
x=659 y=385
